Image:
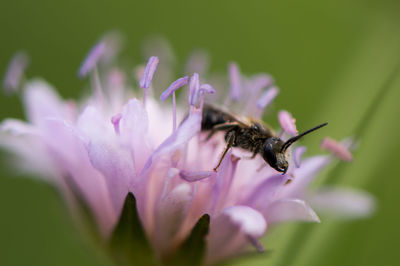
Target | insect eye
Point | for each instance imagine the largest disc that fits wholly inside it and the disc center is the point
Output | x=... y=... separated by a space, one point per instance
x=269 y=153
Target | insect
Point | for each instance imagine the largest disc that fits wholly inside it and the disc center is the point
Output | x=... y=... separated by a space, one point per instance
x=252 y=135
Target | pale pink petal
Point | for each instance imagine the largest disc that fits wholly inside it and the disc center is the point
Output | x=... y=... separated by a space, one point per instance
x=337 y=149
x=19 y=62
x=171 y=212
x=27 y=150
x=267 y=97
x=287 y=123
x=149 y=72
x=134 y=128
x=235 y=81
x=297 y=154
x=68 y=150
x=107 y=156
x=343 y=203
x=223 y=181
x=194 y=176
x=42 y=102
x=18 y=127
x=92 y=58
x=290 y=210
x=187 y=130
x=304 y=175
x=266 y=192
x=232 y=229
x=250 y=221
x=156 y=168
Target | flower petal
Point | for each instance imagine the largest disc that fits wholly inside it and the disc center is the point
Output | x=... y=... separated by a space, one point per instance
x=171 y=212
x=290 y=210
x=265 y=193
x=343 y=202
x=187 y=130
x=107 y=156
x=304 y=175
x=42 y=102
x=134 y=126
x=17 y=127
x=24 y=142
x=194 y=176
x=231 y=230
x=250 y=221
x=69 y=153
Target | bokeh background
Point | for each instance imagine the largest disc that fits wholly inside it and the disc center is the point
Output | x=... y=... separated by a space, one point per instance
x=330 y=59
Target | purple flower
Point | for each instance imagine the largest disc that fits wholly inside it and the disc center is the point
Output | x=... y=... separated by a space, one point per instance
x=111 y=146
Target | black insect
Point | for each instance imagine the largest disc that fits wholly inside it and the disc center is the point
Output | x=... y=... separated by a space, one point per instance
x=252 y=135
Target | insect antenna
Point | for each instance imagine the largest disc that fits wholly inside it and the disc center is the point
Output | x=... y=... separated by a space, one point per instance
x=296 y=138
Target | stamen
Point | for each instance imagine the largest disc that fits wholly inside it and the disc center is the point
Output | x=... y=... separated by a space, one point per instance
x=96 y=85
x=257 y=244
x=16 y=68
x=297 y=154
x=115 y=78
x=91 y=59
x=287 y=123
x=267 y=97
x=173 y=112
x=235 y=81
x=204 y=89
x=148 y=75
x=336 y=149
x=194 y=176
x=115 y=121
x=262 y=81
x=149 y=72
x=198 y=62
x=171 y=89
x=194 y=86
x=207 y=88
x=114 y=42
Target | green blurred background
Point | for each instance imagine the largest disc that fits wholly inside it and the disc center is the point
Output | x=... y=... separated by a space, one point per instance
x=330 y=58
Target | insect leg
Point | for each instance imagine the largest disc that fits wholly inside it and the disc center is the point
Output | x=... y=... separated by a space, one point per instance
x=230 y=139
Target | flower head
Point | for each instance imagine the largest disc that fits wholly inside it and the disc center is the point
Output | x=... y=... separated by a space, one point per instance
x=118 y=143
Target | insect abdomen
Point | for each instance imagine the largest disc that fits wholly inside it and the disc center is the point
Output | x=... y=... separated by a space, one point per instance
x=213 y=117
